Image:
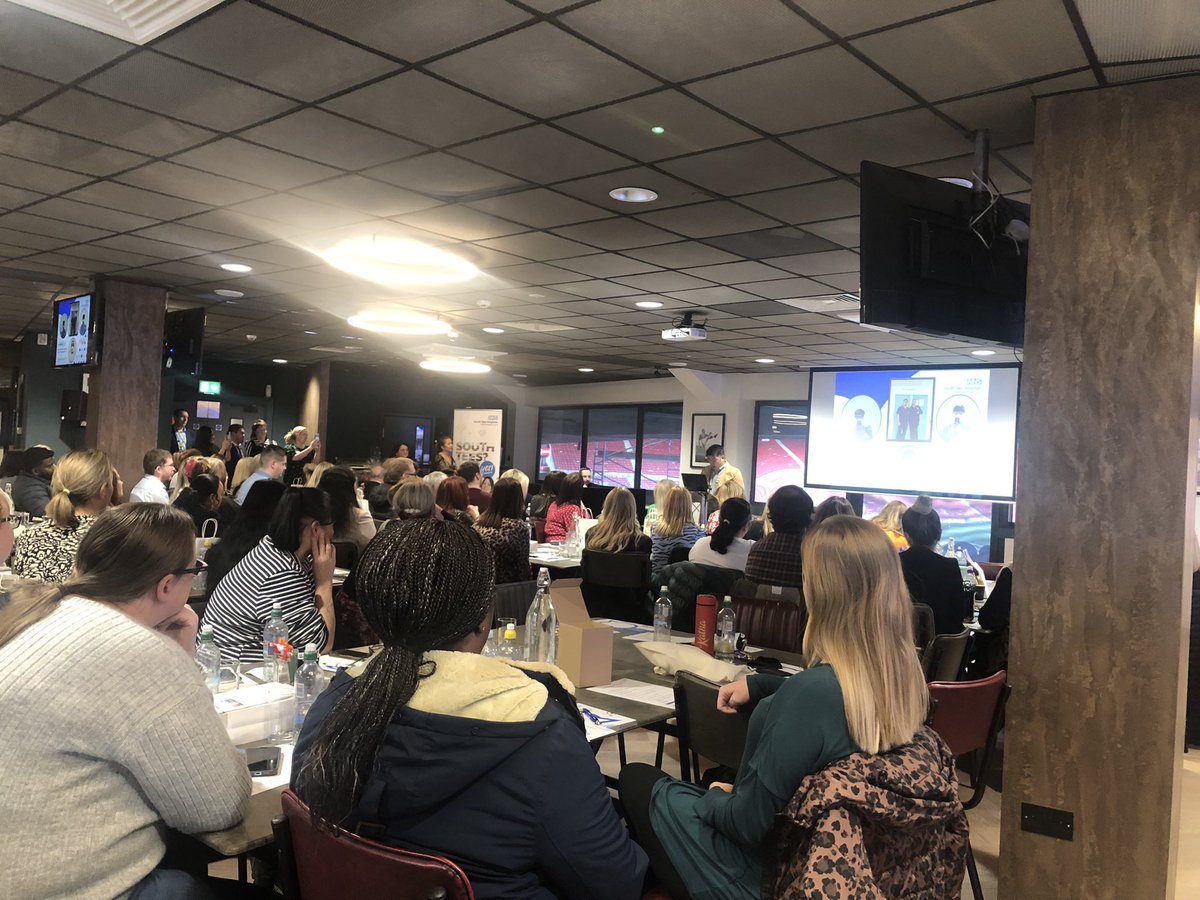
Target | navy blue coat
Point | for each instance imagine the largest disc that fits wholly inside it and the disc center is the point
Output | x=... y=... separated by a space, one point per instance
x=522 y=807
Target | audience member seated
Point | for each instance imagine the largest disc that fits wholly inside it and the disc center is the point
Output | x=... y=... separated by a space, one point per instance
x=434 y=479
x=246 y=466
x=505 y=531
x=775 y=558
x=863 y=690
x=184 y=460
x=31 y=487
x=662 y=487
x=891 y=520
x=832 y=506
x=990 y=647
x=271 y=465
x=158 y=467
x=395 y=470
x=351 y=523
x=437 y=748
x=476 y=495
x=931 y=578
x=566 y=508
x=227 y=507
x=11 y=464
x=452 y=498
x=539 y=506
x=293 y=566
x=726 y=547
x=617 y=530
x=82 y=486
x=674 y=527
x=414 y=499
x=244 y=532
x=109 y=736
x=299 y=451
x=315 y=471
x=201 y=500
x=522 y=479
x=728 y=490
x=371 y=482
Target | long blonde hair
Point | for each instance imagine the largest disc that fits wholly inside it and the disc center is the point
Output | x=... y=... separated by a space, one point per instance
x=290 y=437
x=889 y=517
x=662 y=487
x=79 y=477
x=618 y=524
x=728 y=489
x=319 y=469
x=520 y=477
x=860 y=623
x=246 y=466
x=675 y=513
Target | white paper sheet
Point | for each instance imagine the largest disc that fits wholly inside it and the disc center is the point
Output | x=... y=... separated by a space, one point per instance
x=649 y=636
x=641 y=691
x=610 y=723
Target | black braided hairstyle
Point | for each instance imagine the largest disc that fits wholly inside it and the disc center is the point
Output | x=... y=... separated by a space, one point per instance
x=422 y=584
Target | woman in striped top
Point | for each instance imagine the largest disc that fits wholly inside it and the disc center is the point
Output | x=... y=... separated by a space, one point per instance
x=293 y=566
x=674 y=528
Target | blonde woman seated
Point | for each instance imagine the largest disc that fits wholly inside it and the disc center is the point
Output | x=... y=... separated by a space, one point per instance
x=617 y=529
x=674 y=528
x=521 y=478
x=727 y=490
x=889 y=519
x=246 y=466
x=863 y=691
x=315 y=473
x=662 y=487
x=82 y=487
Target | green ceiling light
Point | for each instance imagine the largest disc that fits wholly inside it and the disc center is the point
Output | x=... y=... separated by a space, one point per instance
x=658 y=129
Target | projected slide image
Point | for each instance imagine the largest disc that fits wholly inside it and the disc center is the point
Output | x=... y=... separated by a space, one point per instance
x=862 y=417
x=910 y=400
x=957 y=416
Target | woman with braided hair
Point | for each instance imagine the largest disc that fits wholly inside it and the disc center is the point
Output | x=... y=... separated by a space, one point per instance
x=435 y=748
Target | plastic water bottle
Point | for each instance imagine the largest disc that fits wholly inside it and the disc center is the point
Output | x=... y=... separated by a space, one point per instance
x=208 y=658
x=509 y=648
x=276 y=630
x=663 y=610
x=309 y=682
x=541 y=623
x=726 y=636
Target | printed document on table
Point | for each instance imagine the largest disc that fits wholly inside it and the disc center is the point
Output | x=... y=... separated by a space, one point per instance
x=600 y=723
x=649 y=636
x=639 y=691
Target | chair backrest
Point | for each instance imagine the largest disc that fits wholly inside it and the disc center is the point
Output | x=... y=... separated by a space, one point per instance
x=618 y=570
x=703 y=731
x=965 y=711
x=942 y=659
x=539 y=527
x=346 y=553
x=777 y=624
x=924 y=624
x=330 y=864
x=678 y=554
x=511 y=601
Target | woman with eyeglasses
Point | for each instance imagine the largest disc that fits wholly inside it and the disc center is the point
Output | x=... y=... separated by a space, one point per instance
x=293 y=566
x=109 y=736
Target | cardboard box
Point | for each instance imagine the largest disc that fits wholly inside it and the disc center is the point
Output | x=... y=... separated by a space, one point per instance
x=251 y=713
x=585 y=648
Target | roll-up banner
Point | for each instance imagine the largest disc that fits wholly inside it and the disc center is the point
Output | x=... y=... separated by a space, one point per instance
x=477 y=436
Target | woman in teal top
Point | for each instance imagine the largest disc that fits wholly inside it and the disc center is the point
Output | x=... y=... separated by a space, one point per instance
x=857 y=695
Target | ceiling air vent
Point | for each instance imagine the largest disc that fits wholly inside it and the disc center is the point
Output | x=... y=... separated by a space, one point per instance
x=136 y=21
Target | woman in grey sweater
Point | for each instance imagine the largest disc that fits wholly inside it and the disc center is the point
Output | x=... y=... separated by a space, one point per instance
x=109 y=735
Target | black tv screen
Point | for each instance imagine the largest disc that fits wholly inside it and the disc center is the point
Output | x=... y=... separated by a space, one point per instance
x=183 y=340
x=939 y=259
x=75 y=331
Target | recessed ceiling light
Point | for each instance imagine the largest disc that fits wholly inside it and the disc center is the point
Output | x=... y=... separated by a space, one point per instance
x=585 y=369
x=764 y=360
x=537 y=296
x=386 y=260
x=225 y=292
x=458 y=366
x=633 y=194
x=280 y=361
x=961 y=182
x=452 y=334
x=657 y=129
x=493 y=330
x=310 y=332
x=236 y=267
x=983 y=352
x=648 y=304
x=520 y=376
x=677 y=365
x=398 y=321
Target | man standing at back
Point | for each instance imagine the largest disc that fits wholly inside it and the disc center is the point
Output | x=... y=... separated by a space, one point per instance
x=180 y=440
x=469 y=471
x=271 y=463
x=31 y=487
x=159 y=468
x=231 y=447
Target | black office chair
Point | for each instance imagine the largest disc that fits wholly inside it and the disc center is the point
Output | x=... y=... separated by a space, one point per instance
x=511 y=601
x=924 y=625
x=678 y=554
x=942 y=660
x=615 y=585
x=346 y=553
x=703 y=731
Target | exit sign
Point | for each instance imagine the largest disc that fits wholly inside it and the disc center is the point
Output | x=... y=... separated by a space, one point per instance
x=210 y=387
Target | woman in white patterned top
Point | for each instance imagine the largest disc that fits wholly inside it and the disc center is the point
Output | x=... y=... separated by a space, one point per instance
x=81 y=489
x=292 y=566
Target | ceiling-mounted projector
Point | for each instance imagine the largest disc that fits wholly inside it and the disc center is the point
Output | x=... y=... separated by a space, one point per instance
x=684 y=329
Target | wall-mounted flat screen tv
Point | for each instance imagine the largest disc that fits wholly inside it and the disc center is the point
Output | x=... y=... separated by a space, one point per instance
x=942 y=430
x=75 y=333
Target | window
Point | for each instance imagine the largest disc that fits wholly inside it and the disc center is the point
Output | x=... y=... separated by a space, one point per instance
x=627 y=446
x=780 y=445
x=969 y=522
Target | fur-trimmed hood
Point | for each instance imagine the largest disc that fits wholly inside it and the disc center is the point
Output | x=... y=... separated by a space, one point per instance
x=471 y=686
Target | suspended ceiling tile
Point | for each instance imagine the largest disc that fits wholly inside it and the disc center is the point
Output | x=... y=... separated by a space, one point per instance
x=540 y=208
x=606 y=265
x=333 y=140
x=807 y=203
x=18 y=90
x=135 y=200
x=41 y=145
x=189 y=183
x=366 y=195
x=707 y=219
x=1121 y=31
x=682 y=254
x=460 y=222
x=897 y=139
x=540 y=154
x=746 y=168
x=258 y=165
x=26 y=36
x=444 y=176
x=1008 y=114
x=671 y=191
x=37 y=177
x=617 y=234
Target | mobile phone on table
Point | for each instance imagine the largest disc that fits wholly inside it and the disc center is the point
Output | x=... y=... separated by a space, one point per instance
x=263 y=761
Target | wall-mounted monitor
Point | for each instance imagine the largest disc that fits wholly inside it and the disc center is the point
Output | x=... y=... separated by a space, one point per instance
x=75 y=331
x=942 y=430
x=183 y=340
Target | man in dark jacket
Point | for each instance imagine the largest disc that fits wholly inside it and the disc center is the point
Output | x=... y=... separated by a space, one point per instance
x=931 y=578
x=31 y=488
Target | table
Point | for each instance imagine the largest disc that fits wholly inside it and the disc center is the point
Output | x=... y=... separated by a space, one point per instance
x=562 y=562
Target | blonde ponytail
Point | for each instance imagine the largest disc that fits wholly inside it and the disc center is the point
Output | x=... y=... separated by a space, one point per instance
x=79 y=477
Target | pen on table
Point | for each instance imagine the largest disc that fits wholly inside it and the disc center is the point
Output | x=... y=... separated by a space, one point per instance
x=591 y=716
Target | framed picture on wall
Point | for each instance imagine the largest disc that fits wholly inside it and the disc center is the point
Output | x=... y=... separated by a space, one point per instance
x=707 y=429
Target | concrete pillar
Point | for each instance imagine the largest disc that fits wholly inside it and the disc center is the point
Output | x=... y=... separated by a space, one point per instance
x=1107 y=477
x=123 y=391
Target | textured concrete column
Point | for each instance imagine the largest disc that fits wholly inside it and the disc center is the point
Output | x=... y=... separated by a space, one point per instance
x=1107 y=463
x=123 y=391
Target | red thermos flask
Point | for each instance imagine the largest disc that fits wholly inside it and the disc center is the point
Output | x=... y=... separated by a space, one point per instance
x=706 y=622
